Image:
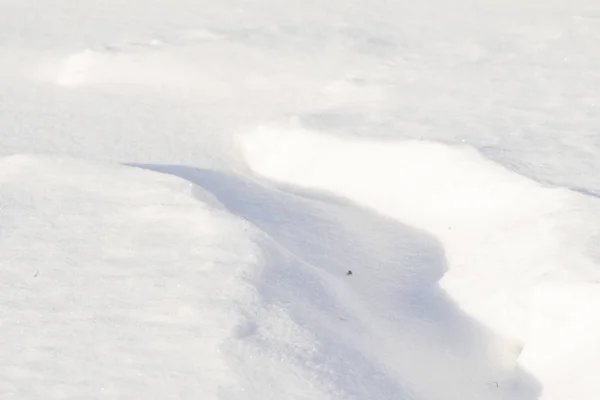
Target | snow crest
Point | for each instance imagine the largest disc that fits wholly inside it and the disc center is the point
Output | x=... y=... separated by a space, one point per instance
x=513 y=247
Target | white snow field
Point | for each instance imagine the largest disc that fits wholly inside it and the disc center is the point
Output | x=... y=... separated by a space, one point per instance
x=184 y=186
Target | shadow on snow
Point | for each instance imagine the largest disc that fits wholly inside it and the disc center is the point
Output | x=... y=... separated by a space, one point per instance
x=389 y=315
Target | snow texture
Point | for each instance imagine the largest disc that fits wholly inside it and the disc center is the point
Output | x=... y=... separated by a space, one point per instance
x=184 y=187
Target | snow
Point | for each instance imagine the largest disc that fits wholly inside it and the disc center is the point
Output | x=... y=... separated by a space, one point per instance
x=85 y=312
x=184 y=186
x=515 y=249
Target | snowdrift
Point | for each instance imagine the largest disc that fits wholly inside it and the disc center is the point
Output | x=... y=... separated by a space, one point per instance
x=519 y=255
x=386 y=330
x=120 y=282
x=116 y=283
x=158 y=262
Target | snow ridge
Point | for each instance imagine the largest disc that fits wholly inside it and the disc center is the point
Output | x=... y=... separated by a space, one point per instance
x=512 y=246
x=387 y=329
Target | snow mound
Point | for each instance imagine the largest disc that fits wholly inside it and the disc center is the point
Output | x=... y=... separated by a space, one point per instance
x=386 y=331
x=116 y=283
x=514 y=248
x=123 y=283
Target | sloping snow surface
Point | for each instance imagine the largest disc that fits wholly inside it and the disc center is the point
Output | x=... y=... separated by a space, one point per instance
x=252 y=199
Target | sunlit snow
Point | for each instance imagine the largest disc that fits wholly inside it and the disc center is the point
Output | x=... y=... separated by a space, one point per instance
x=300 y=200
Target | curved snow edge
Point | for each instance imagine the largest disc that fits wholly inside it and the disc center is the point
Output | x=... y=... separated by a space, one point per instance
x=506 y=237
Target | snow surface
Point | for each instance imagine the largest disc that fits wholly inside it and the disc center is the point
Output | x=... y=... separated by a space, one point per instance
x=185 y=184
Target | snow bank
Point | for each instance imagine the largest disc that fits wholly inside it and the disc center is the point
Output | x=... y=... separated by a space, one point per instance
x=115 y=283
x=513 y=247
x=121 y=283
x=386 y=331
